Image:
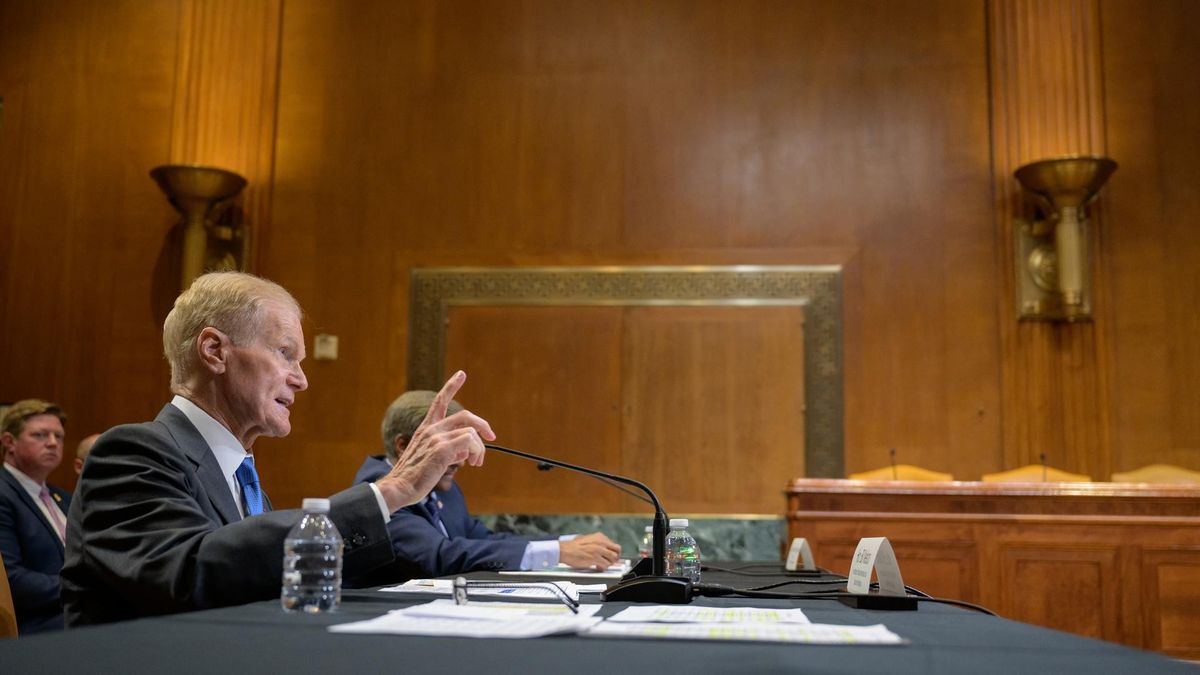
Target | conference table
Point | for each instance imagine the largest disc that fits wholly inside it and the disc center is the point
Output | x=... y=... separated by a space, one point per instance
x=260 y=638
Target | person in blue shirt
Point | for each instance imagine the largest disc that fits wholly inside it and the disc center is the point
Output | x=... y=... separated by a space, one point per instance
x=438 y=536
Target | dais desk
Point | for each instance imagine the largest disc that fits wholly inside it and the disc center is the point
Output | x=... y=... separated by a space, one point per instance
x=259 y=638
x=1115 y=561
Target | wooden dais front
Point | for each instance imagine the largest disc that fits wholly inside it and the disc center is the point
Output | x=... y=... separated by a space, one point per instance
x=1114 y=561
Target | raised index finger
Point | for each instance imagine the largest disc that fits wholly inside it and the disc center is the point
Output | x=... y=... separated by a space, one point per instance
x=441 y=402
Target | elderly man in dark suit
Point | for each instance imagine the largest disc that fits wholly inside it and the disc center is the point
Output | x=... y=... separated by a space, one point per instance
x=32 y=513
x=169 y=515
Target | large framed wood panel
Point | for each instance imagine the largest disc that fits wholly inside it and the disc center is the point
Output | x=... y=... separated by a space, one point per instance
x=713 y=403
x=548 y=380
x=702 y=382
x=703 y=403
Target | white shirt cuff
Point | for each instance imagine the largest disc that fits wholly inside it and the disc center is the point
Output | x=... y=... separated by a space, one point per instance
x=540 y=555
x=382 y=504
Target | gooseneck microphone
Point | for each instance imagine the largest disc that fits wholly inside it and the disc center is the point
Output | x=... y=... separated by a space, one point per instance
x=640 y=584
x=543 y=466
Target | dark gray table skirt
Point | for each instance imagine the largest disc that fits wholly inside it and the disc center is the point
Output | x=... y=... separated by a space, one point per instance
x=260 y=638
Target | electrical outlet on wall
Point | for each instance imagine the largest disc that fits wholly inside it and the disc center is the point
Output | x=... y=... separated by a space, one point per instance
x=325 y=347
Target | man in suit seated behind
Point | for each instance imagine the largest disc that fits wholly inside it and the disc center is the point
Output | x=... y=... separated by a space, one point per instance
x=437 y=536
x=33 y=516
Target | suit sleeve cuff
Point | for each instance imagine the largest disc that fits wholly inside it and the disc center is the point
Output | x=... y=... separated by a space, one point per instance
x=540 y=555
x=382 y=504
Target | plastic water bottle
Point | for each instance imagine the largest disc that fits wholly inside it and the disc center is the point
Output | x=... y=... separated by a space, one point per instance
x=312 y=562
x=646 y=548
x=683 y=554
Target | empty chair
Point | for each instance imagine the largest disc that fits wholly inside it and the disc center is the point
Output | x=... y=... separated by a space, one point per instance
x=1036 y=473
x=901 y=472
x=1158 y=473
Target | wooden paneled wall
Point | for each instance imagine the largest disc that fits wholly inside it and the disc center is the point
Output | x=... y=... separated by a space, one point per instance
x=380 y=136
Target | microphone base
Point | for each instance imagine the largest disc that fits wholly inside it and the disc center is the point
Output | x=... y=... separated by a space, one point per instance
x=659 y=590
x=643 y=568
x=892 y=603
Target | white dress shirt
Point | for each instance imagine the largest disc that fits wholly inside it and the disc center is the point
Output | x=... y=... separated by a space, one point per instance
x=34 y=489
x=230 y=453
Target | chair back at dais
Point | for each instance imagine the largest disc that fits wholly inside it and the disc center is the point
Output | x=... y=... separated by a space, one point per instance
x=901 y=472
x=1159 y=473
x=1036 y=473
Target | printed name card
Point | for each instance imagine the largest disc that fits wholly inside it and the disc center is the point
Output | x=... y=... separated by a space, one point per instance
x=875 y=553
x=800 y=553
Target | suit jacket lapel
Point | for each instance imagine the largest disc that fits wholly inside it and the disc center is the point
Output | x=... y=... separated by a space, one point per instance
x=32 y=505
x=207 y=470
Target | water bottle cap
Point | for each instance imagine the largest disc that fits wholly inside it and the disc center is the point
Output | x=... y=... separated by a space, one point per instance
x=650 y=528
x=679 y=522
x=315 y=505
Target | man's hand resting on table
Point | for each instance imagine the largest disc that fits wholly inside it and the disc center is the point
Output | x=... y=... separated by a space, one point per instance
x=591 y=551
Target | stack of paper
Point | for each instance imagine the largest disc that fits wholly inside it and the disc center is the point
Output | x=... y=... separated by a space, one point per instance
x=735 y=623
x=527 y=620
x=560 y=570
x=489 y=620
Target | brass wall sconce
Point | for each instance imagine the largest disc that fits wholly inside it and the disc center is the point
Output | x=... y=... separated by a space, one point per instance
x=1053 y=259
x=196 y=191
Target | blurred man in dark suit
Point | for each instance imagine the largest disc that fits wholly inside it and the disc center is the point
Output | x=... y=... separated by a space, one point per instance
x=438 y=536
x=33 y=515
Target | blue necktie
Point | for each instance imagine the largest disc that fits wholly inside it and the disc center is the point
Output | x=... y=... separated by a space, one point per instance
x=436 y=511
x=247 y=478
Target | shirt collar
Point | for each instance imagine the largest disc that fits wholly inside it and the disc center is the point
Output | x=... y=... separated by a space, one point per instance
x=228 y=451
x=31 y=486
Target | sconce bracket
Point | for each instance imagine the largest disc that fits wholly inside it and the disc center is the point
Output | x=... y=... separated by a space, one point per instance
x=1038 y=298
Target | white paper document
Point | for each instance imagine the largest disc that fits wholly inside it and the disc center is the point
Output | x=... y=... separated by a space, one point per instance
x=680 y=614
x=811 y=633
x=483 y=620
x=561 y=570
x=515 y=589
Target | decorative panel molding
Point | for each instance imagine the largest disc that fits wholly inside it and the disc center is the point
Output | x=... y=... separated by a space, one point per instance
x=1172 y=610
x=1060 y=586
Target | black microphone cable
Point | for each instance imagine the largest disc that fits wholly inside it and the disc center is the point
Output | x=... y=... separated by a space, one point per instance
x=743 y=571
x=764 y=592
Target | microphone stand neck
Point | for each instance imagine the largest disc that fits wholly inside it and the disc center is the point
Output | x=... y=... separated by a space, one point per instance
x=656 y=587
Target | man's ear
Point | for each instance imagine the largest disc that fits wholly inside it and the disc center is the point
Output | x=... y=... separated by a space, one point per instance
x=7 y=440
x=400 y=444
x=212 y=349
